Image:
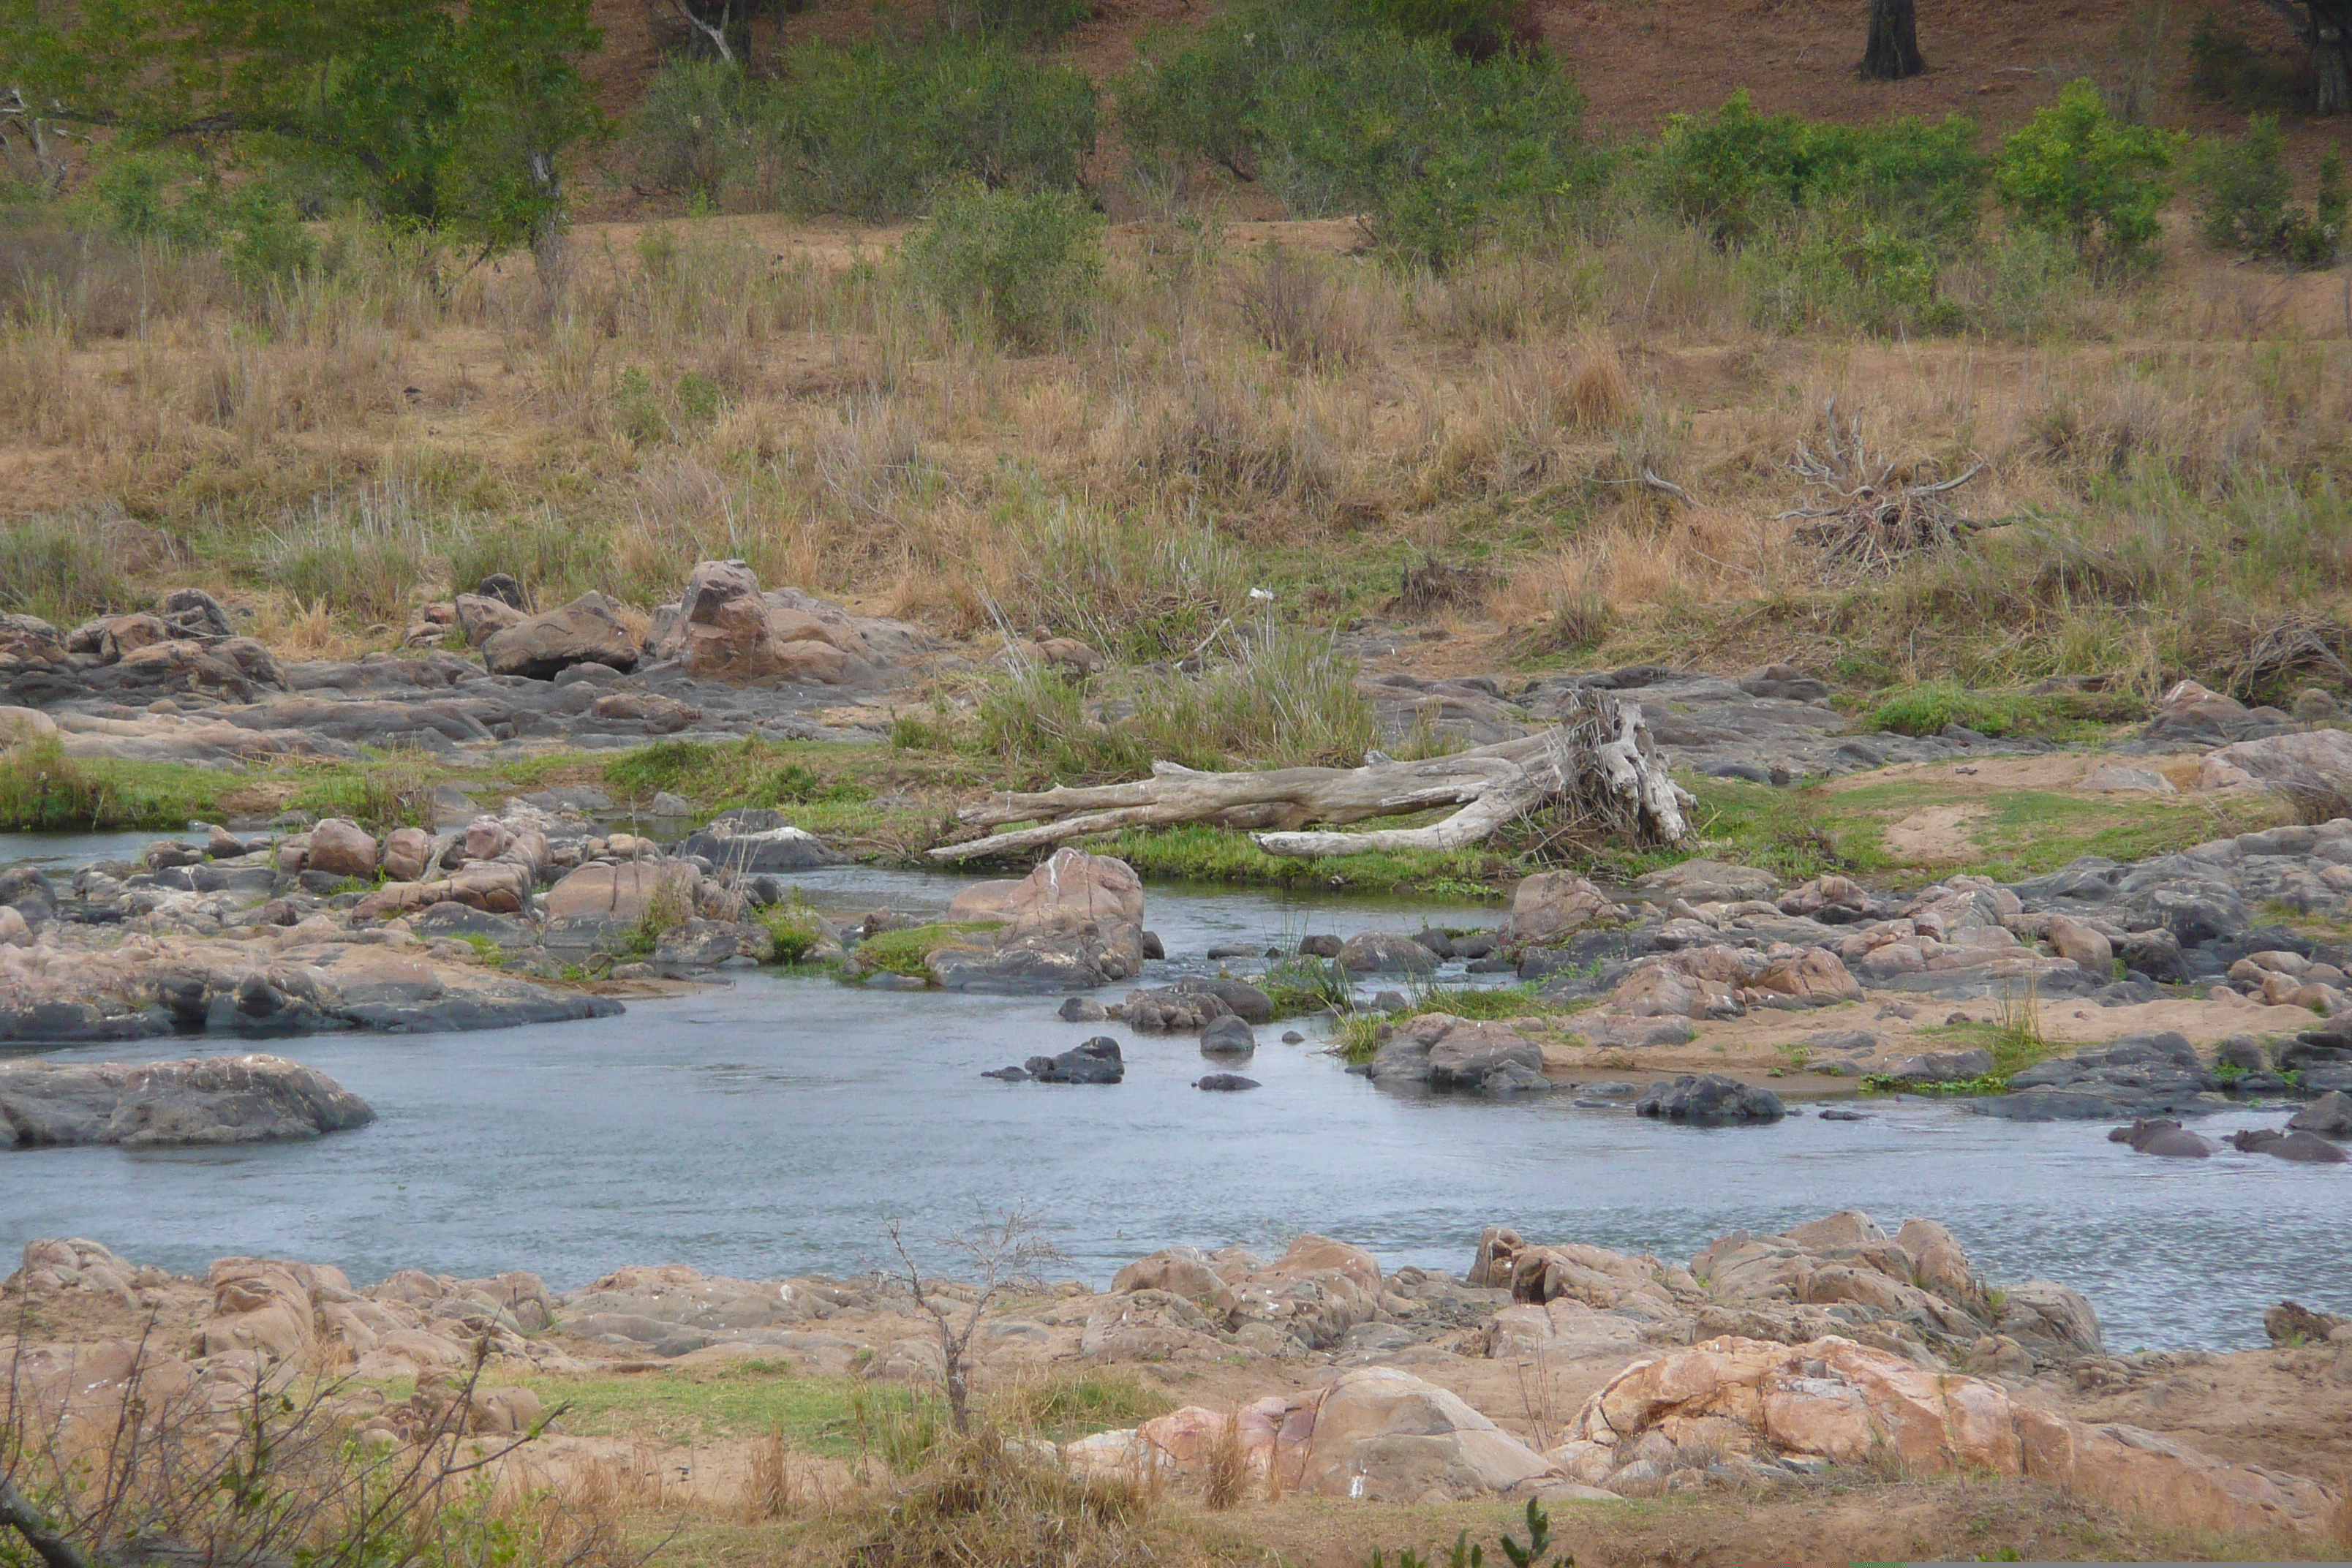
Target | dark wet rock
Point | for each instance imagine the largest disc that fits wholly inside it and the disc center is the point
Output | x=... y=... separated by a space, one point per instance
x=2167 y=1139
x=1319 y=947
x=699 y=944
x=1513 y=1077
x=1082 y=1010
x=1009 y=1075
x=1838 y=1113
x=193 y=613
x=2243 y=1052
x=887 y=980
x=1171 y=1010
x=503 y=587
x=2331 y=1115
x=1095 y=1062
x=2305 y=1147
x=1942 y=1066
x=1437 y=942
x=205 y=1101
x=1225 y=1082
x=1293 y=1038
x=1153 y=947
x=1228 y=1037
x=1385 y=952
x=2292 y=1323
x=755 y=841
x=1709 y=1100
x=2138 y=1077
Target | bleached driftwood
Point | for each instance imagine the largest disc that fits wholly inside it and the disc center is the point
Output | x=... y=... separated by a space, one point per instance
x=1598 y=761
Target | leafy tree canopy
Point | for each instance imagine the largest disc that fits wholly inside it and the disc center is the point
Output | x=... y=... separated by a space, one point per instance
x=449 y=113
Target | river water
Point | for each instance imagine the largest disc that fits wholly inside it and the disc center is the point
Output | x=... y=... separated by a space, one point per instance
x=774 y=1126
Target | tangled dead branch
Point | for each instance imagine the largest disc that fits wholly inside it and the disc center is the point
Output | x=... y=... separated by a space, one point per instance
x=2278 y=650
x=1861 y=520
x=1597 y=765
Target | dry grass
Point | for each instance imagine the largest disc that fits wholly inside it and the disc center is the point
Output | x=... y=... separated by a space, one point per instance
x=1237 y=414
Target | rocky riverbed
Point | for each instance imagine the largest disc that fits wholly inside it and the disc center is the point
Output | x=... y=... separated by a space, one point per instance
x=1550 y=1368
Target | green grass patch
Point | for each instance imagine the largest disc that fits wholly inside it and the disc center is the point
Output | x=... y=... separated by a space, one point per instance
x=1356 y=1040
x=1194 y=853
x=42 y=790
x=842 y=1417
x=1926 y=709
x=903 y=951
x=2015 y=1042
x=750 y=772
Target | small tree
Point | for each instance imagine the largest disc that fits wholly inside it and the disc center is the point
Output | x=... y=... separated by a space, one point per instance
x=1891 y=52
x=1003 y=1255
x=2325 y=28
x=2077 y=172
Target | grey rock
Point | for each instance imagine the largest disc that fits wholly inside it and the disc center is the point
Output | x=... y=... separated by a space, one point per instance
x=1097 y=1061
x=1840 y=1114
x=1221 y=950
x=1082 y=1010
x=1385 y=952
x=1514 y=1078
x=199 y=1102
x=1293 y=1038
x=1228 y=1036
x=884 y=979
x=1319 y=947
x=1225 y=1082
x=1942 y=1066
x=2331 y=1113
x=751 y=841
x=1710 y=1100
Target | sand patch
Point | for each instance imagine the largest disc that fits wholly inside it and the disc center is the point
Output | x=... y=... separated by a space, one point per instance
x=1935 y=833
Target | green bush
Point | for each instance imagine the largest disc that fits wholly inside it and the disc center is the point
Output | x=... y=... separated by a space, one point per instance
x=362 y=554
x=696 y=129
x=2246 y=197
x=875 y=129
x=1478 y=28
x=1838 y=266
x=252 y=225
x=1741 y=172
x=1337 y=116
x=555 y=561
x=2078 y=172
x=1021 y=266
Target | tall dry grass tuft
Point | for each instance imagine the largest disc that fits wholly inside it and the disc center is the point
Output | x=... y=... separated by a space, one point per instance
x=768 y=1483
x=1226 y=1478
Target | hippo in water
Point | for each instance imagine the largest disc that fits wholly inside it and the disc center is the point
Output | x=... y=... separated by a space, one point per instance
x=2162 y=1137
x=2304 y=1146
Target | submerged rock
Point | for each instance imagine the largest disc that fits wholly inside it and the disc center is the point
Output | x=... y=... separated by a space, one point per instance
x=198 y=1101
x=2168 y=1138
x=1097 y=1061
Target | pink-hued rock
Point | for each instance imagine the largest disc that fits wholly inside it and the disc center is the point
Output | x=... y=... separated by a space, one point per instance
x=1848 y=1404
x=342 y=848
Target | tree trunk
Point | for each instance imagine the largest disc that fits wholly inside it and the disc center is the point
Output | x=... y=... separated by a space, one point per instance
x=1599 y=764
x=1892 y=52
x=2331 y=55
x=47 y=1542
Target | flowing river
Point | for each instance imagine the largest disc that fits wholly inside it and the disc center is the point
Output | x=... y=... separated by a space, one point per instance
x=774 y=1126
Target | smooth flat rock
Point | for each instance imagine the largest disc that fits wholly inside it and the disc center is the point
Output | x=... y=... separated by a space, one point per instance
x=198 y=1101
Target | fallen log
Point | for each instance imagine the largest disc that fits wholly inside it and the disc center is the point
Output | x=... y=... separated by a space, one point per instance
x=1599 y=765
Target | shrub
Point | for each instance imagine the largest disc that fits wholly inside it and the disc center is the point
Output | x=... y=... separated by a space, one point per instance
x=2079 y=172
x=1024 y=267
x=59 y=570
x=874 y=129
x=2245 y=186
x=1926 y=709
x=1136 y=591
x=254 y=228
x=695 y=130
x=1339 y=117
x=1741 y=172
x=1477 y=28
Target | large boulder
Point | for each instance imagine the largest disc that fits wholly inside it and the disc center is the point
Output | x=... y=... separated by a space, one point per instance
x=193 y=613
x=723 y=628
x=1709 y=1100
x=2314 y=756
x=202 y=1100
x=482 y=617
x=1447 y=1052
x=2189 y=713
x=757 y=842
x=594 y=628
x=1836 y=1400
x=1385 y=1434
x=2330 y=1114
x=1707 y=882
x=1551 y=906
x=1721 y=981
x=1072 y=924
x=1385 y=952
x=622 y=894
x=341 y=849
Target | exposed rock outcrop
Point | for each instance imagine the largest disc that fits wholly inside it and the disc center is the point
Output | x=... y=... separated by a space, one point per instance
x=201 y=1101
